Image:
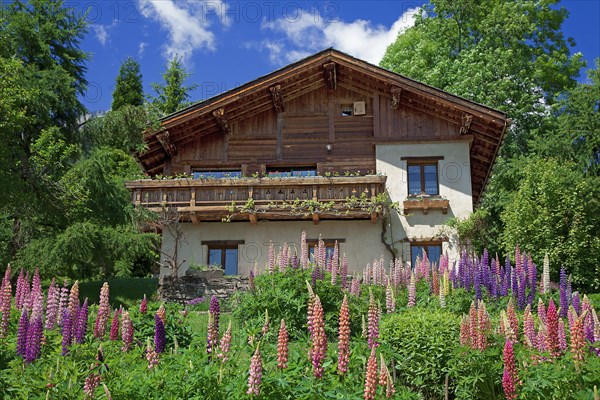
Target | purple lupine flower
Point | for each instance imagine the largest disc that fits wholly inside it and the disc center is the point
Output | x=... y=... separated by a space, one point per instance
x=103 y=312
x=22 y=333
x=569 y=289
x=521 y=288
x=214 y=312
x=564 y=301
x=533 y=281
x=34 y=339
x=67 y=330
x=160 y=337
x=52 y=305
x=344 y=272
x=314 y=276
x=126 y=331
x=295 y=261
x=506 y=278
x=477 y=285
x=82 y=323
x=576 y=302
x=251 y=284
x=562 y=338
x=114 y=327
x=515 y=283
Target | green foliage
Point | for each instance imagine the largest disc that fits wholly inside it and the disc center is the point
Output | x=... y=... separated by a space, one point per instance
x=475 y=231
x=556 y=211
x=173 y=94
x=128 y=89
x=423 y=342
x=477 y=374
x=123 y=291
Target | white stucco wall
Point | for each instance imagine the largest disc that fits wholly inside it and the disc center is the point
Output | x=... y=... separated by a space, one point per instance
x=454 y=174
x=362 y=241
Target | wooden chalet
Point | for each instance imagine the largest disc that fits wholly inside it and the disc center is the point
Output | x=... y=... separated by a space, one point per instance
x=318 y=146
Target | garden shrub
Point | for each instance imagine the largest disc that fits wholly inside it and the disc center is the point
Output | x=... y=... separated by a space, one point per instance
x=423 y=342
x=477 y=374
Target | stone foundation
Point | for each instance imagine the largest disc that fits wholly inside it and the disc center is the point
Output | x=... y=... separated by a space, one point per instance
x=199 y=284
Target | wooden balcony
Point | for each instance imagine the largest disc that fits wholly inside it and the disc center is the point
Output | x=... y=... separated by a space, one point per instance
x=255 y=199
x=425 y=204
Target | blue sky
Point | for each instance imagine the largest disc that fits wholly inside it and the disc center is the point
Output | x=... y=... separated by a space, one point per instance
x=226 y=43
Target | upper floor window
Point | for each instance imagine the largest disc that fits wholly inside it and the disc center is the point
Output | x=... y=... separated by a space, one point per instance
x=291 y=172
x=214 y=174
x=422 y=176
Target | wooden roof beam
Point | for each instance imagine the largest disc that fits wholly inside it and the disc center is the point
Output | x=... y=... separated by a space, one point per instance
x=465 y=126
x=219 y=115
x=277 y=98
x=329 y=74
x=164 y=138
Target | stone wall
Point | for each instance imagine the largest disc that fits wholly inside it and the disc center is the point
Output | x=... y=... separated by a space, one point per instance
x=199 y=284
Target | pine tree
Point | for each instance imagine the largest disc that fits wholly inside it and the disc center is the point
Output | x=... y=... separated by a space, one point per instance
x=129 y=90
x=173 y=95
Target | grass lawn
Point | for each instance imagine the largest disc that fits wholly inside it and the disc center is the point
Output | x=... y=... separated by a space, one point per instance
x=123 y=291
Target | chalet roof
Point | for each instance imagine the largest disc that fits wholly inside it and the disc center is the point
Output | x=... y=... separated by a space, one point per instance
x=485 y=125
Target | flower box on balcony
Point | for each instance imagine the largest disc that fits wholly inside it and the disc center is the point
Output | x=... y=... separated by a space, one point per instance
x=426 y=203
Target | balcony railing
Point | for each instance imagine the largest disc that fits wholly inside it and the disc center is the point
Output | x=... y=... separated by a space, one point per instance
x=253 y=199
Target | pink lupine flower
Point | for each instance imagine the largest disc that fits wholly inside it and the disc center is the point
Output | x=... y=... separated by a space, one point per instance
x=5 y=300
x=74 y=300
x=541 y=311
x=373 y=322
x=318 y=348
x=114 y=327
x=546 y=275
x=282 y=346
x=126 y=331
x=151 y=354
x=385 y=379
x=510 y=378
x=91 y=383
x=588 y=322
x=255 y=373
x=214 y=312
x=19 y=290
x=412 y=291
x=309 y=308
x=283 y=257
x=62 y=302
x=578 y=343
x=344 y=338
x=225 y=344
x=562 y=337
x=571 y=317
x=512 y=319
x=144 y=305
x=529 y=328
x=436 y=282
x=484 y=326
x=271 y=259
x=371 y=377
x=473 y=324
x=162 y=313
x=303 y=251
x=355 y=286
x=390 y=301
x=103 y=312
x=552 y=330
x=382 y=371
x=52 y=306
x=541 y=338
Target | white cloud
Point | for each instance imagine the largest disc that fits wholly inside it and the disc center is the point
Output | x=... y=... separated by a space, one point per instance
x=187 y=24
x=101 y=33
x=141 y=48
x=359 y=38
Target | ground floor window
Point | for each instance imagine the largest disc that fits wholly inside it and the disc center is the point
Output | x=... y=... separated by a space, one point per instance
x=329 y=247
x=434 y=252
x=224 y=254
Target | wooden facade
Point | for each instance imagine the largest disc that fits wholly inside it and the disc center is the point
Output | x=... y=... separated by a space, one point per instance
x=327 y=112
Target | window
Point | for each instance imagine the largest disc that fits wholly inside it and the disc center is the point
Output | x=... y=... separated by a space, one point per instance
x=434 y=252
x=217 y=174
x=224 y=254
x=329 y=247
x=347 y=110
x=422 y=176
x=291 y=172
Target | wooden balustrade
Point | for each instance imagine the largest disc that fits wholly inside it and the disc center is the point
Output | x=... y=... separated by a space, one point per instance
x=256 y=199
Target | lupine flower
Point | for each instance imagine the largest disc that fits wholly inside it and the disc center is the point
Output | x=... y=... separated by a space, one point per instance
x=578 y=340
x=512 y=319
x=160 y=337
x=151 y=353
x=334 y=264
x=91 y=383
x=387 y=379
x=588 y=322
x=473 y=324
x=390 y=301
x=576 y=302
x=62 y=302
x=114 y=327
x=144 y=305
x=295 y=261
x=562 y=337
x=81 y=323
x=271 y=259
x=442 y=297
x=265 y=327
x=465 y=331
x=484 y=326
x=303 y=251
x=52 y=306
x=67 y=330
x=373 y=322
x=344 y=338
x=510 y=378
x=19 y=290
x=318 y=348
x=412 y=291
x=5 y=300
x=126 y=331
x=214 y=312
x=251 y=284
x=541 y=311
x=371 y=377
x=22 y=334
x=355 y=286
x=74 y=300
x=529 y=328
x=225 y=344
x=162 y=313
x=546 y=275
x=103 y=312
x=255 y=373
x=344 y=273
x=282 y=346
x=564 y=301
x=552 y=330
x=34 y=339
